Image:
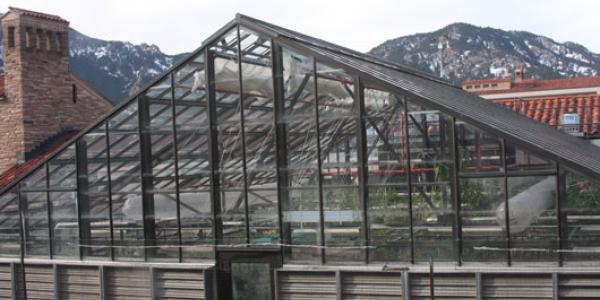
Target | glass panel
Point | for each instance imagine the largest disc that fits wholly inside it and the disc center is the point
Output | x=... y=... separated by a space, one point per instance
x=478 y=152
x=63 y=170
x=519 y=159
x=10 y=225
x=431 y=172
x=128 y=229
x=580 y=208
x=64 y=226
x=259 y=134
x=251 y=281
x=483 y=229
x=36 y=224
x=388 y=201
x=196 y=226
x=301 y=212
x=532 y=215
x=160 y=182
x=337 y=138
x=229 y=139
x=191 y=121
x=97 y=194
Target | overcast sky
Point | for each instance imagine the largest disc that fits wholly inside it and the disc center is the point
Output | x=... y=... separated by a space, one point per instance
x=181 y=25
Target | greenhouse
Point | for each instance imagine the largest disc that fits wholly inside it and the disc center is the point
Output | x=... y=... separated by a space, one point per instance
x=272 y=165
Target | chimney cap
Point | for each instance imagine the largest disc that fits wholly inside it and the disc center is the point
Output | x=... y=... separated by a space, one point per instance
x=35 y=14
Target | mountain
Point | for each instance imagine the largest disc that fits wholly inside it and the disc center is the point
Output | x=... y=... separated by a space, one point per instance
x=471 y=52
x=115 y=68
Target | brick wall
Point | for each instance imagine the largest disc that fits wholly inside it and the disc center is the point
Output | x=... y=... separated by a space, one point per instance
x=39 y=87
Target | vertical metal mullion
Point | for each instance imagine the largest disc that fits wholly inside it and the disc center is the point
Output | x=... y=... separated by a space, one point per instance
x=339 y=289
x=408 y=175
x=213 y=149
x=102 y=277
x=83 y=203
x=176 y=164
x=555 y=286
x=363 y=189
x=406 y=285
x=24 y=225
x=319 y=165
x=109 y=188
x=456 y=193
x=13 y=281
x=506 y=208
x=243 y=133
x=56 y=281
x=559 y=225
x=146 y=175
x=478 y=287
x=49 y=211
x=280 y=141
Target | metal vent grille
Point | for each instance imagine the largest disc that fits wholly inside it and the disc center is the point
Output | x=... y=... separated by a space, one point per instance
x=79 y=283
x=359 y=286
x=5 y=282
x=128 y=284
x=517 y=286
x=179 y=284
x=446 y=286
x=579 y=286
x=39 y=281
x=306 y=285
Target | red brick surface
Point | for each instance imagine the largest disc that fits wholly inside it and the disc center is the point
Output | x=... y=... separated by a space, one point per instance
x=38 y=88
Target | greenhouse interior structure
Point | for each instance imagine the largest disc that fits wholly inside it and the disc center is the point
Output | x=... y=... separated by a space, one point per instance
x=273 y=165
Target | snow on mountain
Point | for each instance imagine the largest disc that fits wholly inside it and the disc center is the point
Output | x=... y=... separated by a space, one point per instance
x=471 y=52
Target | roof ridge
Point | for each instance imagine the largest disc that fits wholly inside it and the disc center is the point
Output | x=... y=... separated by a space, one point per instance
x=37 y=14
x=320 y=43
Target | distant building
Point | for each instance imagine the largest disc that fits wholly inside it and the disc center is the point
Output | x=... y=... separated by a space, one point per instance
x=41 y=102
x=572 y=105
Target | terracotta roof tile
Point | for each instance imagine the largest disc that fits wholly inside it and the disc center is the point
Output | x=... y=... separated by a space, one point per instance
x=36 y=14
x=17 y=170
x=540 y=85
x=549 y=109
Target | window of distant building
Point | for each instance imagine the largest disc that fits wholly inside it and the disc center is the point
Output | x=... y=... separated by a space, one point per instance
x=486 y=85
x=477 y=86
x=28 y=37
x=468 y=87
x=39 y=36
x=494 y=85
x=11 y=36
x=48 y=40
x=58 y=42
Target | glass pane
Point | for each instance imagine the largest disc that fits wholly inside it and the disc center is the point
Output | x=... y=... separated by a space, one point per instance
x=580 y=208
x=36 y=224
x=301 y=214
x=251 y=281
x=97 y=195
x=388 y=201
x=230 y=138
x=63 y=170
x=431 y=172
x=10 y=225
x=196 y=226
x=519 y=159
x=126 y=184
x=64 y=226
x=483 y=231
x=478 y=152
x=532 y=215
x=259 y=135
x=339 y=165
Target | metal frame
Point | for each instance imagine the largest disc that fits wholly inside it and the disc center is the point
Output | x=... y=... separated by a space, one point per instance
x=281 y=140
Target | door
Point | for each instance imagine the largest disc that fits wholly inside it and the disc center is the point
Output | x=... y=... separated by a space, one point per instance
x=247 y=275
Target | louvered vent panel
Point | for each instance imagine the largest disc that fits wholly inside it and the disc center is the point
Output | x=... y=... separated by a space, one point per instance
x=376 y=286
x=446 y=286
x=579 y=286
x=5 y=282
x=128 y=283
x=39 y=281
x=517 y=286
x=79 y=283
x=179 y=284
x=306 y=285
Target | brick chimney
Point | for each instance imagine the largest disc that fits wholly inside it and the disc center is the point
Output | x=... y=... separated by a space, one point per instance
x=40 y=101
x=519 y=74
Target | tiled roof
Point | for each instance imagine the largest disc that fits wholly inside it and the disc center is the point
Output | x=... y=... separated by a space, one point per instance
x=17 y=170
x=36 y=14
x=493 y=80
x=549 y=109
x=542 y=85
